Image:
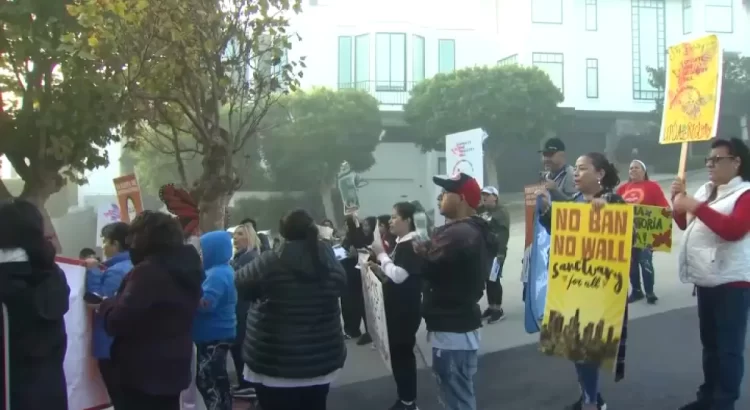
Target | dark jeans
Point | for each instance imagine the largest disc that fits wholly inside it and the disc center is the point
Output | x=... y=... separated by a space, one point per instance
x=642 y=265
x=292 y=398
x=723 y=315
x=494 y=292
x=111 y=381
x=236 y=349
x=353 y=301
x=137 y=400
x=211 y=378
x=404 y=366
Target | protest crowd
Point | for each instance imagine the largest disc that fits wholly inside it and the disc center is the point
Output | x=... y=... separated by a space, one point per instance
x=172 y=307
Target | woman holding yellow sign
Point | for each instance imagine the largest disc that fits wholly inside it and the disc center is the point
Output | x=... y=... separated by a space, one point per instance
x=595 y=178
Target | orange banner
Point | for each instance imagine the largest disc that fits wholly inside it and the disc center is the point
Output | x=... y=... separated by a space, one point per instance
x=128 y=197
x=530 y=198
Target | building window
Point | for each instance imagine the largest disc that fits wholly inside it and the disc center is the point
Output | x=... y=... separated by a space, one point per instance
x=554 y=65
x=687 y=16
x=345 y=62
x=547 y=11
x=417 y=59
x=591 y=16
x=592 y=78
x=441 y=166
x=362 y=61
x=719 y=16
x=510 y=60
x=649 y=45
x=390 y=62
x=446 y=55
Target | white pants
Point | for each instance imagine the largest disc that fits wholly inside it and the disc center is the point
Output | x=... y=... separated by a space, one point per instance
x=190 y=399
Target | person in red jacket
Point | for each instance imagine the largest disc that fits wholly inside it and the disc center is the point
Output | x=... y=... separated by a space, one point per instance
x=640 y=190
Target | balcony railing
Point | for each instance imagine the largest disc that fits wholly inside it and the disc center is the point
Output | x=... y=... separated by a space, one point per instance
x=386 y=92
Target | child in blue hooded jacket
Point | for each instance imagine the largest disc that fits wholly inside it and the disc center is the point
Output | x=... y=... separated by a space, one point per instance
x=215 y=325
x=105 y=282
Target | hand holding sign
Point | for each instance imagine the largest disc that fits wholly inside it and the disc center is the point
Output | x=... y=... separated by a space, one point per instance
x=377 y=244
x=678 y=187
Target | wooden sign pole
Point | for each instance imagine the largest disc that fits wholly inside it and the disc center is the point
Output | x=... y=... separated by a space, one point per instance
x=683 y=161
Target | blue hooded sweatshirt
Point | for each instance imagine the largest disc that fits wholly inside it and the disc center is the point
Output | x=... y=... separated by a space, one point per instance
x=105 y=283
x=216 y=319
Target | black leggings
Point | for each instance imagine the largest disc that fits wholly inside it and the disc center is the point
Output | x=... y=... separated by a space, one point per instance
x=404 y=366
x=494 y=292
x=292 y=398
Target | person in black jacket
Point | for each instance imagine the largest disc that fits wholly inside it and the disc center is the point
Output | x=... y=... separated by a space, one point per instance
x=35 y=293
x=402 y=293
x=294 y=336
x=457 y=260
x=353 y=301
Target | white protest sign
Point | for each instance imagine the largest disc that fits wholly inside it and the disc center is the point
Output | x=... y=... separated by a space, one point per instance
x=85 y=386
x=105 y=215
x=375 y=310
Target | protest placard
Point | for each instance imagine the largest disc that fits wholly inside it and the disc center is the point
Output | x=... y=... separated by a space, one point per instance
x=653 y=228
x=128 y=197
x=375 y=310
x=588 y=282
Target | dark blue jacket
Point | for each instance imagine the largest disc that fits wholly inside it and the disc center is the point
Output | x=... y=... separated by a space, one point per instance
x=216 y=319
x=105 y=283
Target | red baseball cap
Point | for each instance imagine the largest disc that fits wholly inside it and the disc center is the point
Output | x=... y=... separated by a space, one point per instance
x=463 y=185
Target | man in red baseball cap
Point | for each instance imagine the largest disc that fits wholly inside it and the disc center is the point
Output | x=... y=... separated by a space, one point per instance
x=457 y=260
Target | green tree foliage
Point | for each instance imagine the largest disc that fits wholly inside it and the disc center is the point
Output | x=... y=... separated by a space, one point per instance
x=507 y=102
x=187 y=64
x=512 y=104
x=58 y=109
x=315 y=133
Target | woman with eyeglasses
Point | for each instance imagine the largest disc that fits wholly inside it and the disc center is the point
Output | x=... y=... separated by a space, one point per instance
x=715 y=255
x=640 y=190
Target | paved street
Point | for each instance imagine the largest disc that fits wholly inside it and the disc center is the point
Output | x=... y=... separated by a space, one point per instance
x=663 y=356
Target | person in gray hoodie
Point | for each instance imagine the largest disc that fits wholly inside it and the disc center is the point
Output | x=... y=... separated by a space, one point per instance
x=558 y=175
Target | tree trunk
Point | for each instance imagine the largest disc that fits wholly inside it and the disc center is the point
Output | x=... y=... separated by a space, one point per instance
x=215 y=187
x=325 y=190
x=38 y=193
x=212 y=213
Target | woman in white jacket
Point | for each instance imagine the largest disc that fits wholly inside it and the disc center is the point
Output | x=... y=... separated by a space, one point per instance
x=715 y=256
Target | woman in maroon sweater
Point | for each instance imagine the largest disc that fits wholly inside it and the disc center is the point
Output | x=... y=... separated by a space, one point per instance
x=715 y=255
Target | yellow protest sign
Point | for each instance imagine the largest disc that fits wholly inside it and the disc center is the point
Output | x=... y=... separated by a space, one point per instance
x=693 y=91
x=589 y=270
x=653 y=228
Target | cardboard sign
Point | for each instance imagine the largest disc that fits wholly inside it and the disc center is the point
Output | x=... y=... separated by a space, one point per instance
x=128 y=197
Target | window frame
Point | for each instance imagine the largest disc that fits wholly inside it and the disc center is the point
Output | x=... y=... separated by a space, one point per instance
x=423 y=74
x=391 y=85
x=588 y=6
x=560 y=20
x=538 y=58
x=440 y=53
x=361 y=83
x=729 y=5
x=687 y=7
x=640 y=94
x=509 y=60
x=595 y=67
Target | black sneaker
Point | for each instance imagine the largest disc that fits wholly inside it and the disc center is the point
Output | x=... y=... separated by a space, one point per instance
x=365 y=339
x=635 y=297
x=696 y=405
x=496 y=315
x=600 y=404
x=400 y=405
x=486 y=314
x=651 y=299
x=349 y=336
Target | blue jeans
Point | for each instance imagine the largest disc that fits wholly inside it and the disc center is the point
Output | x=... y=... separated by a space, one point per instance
x=642 y=264
x=722 y=315
x=588 y=379
x=454 y=371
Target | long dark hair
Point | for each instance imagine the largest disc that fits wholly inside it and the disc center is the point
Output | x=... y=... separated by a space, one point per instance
x=298 y=225
x=738 y=149
x=406 y=210
x=355 y=236
x=610 y=180
x=23 y=227
x=372 y=222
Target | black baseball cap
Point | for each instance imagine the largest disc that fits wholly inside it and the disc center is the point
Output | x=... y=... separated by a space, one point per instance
x=461 y=184
x=552 y=146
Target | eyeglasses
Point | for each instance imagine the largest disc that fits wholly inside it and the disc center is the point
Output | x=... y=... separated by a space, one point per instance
x=715 y=160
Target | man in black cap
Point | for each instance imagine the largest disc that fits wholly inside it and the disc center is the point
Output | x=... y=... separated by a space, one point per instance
x=558 y=176
x=457 y=259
